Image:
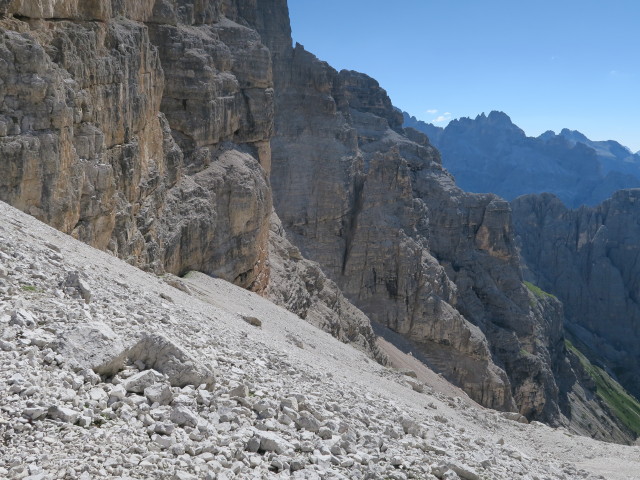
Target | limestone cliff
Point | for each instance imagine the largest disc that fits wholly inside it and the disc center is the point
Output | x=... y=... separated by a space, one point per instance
x=141 y=128
x=385 y=221
x=588 y=259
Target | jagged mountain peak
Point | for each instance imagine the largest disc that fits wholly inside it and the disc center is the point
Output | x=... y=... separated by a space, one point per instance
x=498 y=123
x=547 y=135
x=499 y=117
x=574 y=135
x=492 y=154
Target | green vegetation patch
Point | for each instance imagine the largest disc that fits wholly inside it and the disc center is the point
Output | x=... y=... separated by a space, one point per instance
x=537 y=291
x=623 y=405
x=29 y=288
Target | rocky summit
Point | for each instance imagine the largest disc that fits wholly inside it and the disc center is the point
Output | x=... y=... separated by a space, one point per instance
x=254 y=271
x=492 y=154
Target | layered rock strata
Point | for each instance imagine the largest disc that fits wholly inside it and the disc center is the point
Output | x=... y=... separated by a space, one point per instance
x=141 y=128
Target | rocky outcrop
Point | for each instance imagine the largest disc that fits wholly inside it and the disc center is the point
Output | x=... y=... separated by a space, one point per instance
x=386 y=222
x=141 y=128
x=300 y=286
x=492 y=154
x=588 y=259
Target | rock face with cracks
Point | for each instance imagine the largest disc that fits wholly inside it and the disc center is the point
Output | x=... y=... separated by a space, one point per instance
x=141 y=128
x=588 y=258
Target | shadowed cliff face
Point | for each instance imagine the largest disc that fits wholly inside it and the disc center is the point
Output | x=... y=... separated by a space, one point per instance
x=589 y=258
x=141 y=128
x=388 y=225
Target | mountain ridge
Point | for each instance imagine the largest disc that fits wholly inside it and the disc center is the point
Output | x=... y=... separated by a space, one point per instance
x=491 y=154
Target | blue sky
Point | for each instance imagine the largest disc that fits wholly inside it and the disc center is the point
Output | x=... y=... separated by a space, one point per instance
x=547 y=64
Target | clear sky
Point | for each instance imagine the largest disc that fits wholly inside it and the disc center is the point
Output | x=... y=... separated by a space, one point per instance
x=548 y=64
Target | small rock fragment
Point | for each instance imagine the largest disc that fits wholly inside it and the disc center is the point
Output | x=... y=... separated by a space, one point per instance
x=184 y=416
x=306 y=421
x=239 y=391
x=159 y=393
x=63 y=414
x=74 y=280
x=255 y=321
x=272 y=442
x=138 y=382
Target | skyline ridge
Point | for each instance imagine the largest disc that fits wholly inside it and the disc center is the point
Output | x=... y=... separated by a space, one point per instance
x=549 y=65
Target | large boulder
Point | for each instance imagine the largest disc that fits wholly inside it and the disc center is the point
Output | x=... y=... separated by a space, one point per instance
x=97 y=347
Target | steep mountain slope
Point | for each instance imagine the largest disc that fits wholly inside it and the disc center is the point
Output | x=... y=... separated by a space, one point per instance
x=377 y=211
x=491 y=154
x=145 y=129
x=186 y=389
x=589 y=258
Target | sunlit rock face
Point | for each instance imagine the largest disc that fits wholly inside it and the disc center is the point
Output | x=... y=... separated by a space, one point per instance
x=141 y=128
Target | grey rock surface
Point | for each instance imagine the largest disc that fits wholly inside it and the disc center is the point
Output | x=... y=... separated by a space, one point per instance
x=300 y=286
x=95 y=346
x=587 y=258
x=143 y=129
x=157 y=352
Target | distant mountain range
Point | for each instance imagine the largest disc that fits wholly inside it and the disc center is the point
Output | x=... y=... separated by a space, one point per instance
x=492 y=154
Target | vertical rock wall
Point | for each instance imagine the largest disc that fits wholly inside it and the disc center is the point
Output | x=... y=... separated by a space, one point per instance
x=389 y=226
x=588 y=258
x=141 y=128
